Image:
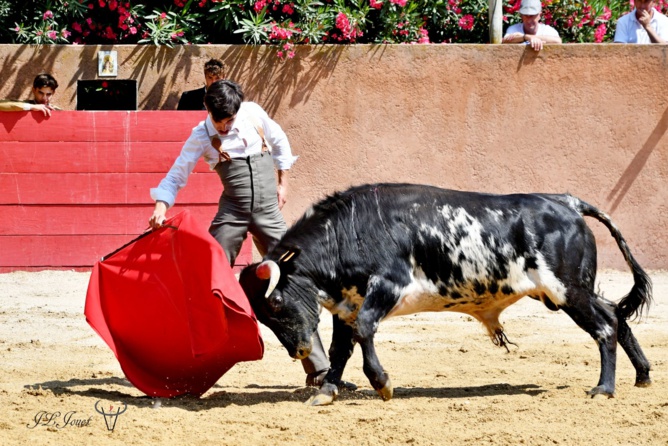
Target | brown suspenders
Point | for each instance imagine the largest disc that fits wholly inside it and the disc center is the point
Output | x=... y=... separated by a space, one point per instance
x=217 y=143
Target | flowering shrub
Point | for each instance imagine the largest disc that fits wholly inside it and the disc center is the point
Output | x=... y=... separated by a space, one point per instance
x=286 y=23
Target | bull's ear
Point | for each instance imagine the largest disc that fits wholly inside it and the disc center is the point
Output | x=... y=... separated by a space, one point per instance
x=290 y=255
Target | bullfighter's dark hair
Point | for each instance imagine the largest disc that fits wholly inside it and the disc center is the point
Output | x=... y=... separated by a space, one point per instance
x=45 y=80
x=223 y=99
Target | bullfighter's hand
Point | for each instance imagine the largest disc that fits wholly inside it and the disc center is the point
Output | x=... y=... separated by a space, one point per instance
x=282 y=195
x=158 y=217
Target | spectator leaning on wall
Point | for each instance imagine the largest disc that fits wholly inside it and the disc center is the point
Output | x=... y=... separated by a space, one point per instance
x=531 y=31
x=642 y=25
x=214 y=70
x=43 y=88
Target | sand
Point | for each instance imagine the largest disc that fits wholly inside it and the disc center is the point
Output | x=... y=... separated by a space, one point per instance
x=452 y=385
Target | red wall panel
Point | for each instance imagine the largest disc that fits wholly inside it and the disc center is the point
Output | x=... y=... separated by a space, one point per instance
x=75 y=186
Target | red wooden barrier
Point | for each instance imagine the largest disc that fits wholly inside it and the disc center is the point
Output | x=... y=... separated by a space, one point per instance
x=75 y=186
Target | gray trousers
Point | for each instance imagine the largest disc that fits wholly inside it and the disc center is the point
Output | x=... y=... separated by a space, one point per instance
x=249 y=203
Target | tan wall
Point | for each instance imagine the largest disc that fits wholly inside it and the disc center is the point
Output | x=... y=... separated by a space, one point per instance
x=584 y=119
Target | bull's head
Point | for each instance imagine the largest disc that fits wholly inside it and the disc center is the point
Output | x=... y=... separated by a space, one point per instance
x=284 y=301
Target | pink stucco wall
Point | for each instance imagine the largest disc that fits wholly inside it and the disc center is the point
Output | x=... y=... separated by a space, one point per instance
x=584 y=119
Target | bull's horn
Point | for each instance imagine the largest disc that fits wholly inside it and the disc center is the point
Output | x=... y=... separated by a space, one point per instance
x=269 y=270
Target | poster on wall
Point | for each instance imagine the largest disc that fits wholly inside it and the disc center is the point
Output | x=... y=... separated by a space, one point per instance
x=107 y=63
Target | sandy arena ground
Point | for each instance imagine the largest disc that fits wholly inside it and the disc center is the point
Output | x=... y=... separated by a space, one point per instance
x=452 y=385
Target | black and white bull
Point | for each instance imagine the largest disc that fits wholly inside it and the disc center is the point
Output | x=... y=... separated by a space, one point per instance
x=383 y=250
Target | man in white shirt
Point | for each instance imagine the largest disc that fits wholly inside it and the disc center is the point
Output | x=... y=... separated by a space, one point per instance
x=232 y=140
x=642 y=25
x=531 y=31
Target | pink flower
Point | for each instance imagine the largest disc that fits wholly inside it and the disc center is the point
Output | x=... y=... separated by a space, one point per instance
x=47 y=15
x=104 y=84
x=65 y=33
x=133 y=30
x=163 y=15
x=343 y=23
x=52 y=35
x=113 y=4
x=287 y=9
x=424 y=36
x=259 y=5
x=599 y=34
x=291 y=54
x=102 y=3
x=401 y=3
x=76 y=27
x=607 y=13
x=377 y=4
x=279 y=54
x=466 y=22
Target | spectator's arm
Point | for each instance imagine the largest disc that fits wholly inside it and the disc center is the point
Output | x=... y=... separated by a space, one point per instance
x=653 y=35
x=10 y=106
x=645 y=20
x=513 y=38
x=14 y=106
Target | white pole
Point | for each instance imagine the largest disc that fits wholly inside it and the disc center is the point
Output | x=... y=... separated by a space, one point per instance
x=495 y=21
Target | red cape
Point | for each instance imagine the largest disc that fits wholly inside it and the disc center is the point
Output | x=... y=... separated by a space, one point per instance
x=169 y=307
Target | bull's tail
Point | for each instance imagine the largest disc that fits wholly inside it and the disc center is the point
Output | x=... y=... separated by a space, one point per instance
x=637 y=302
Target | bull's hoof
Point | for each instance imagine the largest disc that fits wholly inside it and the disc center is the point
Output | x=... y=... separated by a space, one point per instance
x=601 y=391
x=386 y=392
x=326 y=396
x=643 y=382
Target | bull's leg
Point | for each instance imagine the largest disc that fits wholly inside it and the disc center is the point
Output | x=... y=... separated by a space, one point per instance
x=379 y=300
x=600 y=322
x=339 y=353
x=630 y=345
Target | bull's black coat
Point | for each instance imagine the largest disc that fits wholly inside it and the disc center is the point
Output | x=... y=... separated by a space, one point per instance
x=387 y=249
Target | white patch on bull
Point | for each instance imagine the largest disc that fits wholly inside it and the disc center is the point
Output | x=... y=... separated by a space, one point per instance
x=309 y=212
x=546 y=282
x=325 y=299
x=348 y=308
x=468 y=250
x=330 y=240
x=603 y=334
x=496 y=214
x=572 y=202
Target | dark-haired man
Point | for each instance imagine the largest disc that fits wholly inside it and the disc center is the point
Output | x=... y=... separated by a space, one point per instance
x=233 y=141
x=214 y=70
x=43 y=88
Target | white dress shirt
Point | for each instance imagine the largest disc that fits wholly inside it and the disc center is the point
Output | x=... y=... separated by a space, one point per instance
x=629 y=29
x=241 y=141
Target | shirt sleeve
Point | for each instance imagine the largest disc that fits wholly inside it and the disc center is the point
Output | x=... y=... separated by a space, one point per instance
x=275 y=136
x=177 y=177
x=620 y=32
